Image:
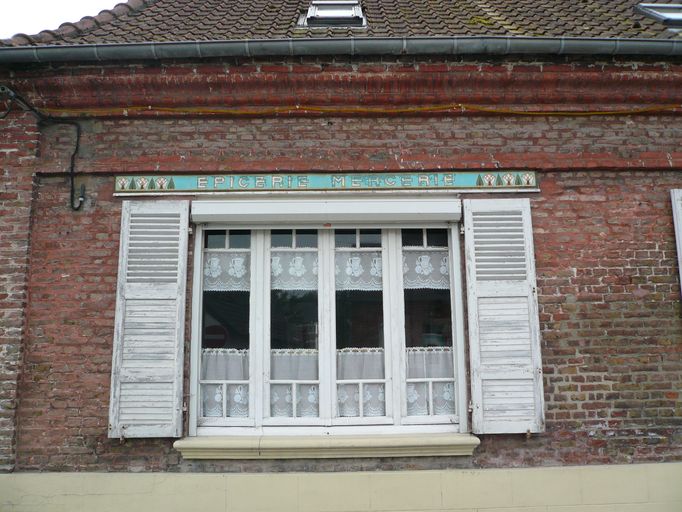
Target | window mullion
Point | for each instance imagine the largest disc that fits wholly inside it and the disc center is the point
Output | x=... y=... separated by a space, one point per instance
x=395 y=300
x=326 y=339
x=260 y=322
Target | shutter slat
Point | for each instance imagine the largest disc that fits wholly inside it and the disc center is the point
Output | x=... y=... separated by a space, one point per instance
x=146 y=387
x=506 y=382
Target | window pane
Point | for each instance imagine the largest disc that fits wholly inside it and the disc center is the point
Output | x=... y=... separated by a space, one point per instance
x=294 y=355
x=212 y=400
x=232 y=398
x=428 y=331
x=345 y=237
x=226 y=320
x=214 y=239
x=225 y=343
x=306 y=238
x=359 y=317
x=427 y=318
x=437 y=237
x=293 y=319
x=417 y=399
x=225 y=354
x=282 y=237
x=240 y=239
x=370 y=238
x=360 y=357
x=413 y=237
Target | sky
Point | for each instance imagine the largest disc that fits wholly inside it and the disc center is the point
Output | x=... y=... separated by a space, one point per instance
x=32 y=16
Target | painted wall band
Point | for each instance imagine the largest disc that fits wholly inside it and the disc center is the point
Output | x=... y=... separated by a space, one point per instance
x=145 y=184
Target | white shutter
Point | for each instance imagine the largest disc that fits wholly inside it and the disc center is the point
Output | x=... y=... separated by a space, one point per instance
x=146 y=375
x=677 y=217
x=506 y=367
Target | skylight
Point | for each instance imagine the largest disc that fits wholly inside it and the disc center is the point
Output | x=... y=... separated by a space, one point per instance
x=668 y=14
x=334 y=13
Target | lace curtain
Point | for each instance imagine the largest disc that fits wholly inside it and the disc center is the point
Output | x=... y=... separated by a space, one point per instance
x=423 y=363
x=426 y=269
x=225 y=364
x=360 y=364
x=295 y=364
x=297 y=270
x=227 y=271
x=293 y=270
x=358 y=270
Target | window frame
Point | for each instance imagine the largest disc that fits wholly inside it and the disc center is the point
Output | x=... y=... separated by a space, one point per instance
x=668 y=14
x=396 y=420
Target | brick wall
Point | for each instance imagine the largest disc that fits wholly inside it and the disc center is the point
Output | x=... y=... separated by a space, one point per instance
x=371 y=143
x=607 y=275
x=611 y=322
x=18 y=145
x=605 y=249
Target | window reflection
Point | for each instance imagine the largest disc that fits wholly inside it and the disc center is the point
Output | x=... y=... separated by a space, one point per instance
x=359 y=319
x=427 y=318
x=282 y=238
x=293 y=317
x=226 y=320
x=215 y=239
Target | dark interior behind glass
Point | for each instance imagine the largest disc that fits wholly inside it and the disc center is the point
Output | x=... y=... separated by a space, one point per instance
x=226 y=320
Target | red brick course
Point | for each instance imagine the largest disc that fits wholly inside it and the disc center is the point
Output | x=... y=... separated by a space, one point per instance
x=605 y=248
x=535 y=84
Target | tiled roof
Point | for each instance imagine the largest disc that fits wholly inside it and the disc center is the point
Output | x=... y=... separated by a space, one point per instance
x=217 y=20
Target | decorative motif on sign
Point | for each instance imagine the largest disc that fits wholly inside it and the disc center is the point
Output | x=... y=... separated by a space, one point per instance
x=144 y=184
x=508 y=179
x=329 y=181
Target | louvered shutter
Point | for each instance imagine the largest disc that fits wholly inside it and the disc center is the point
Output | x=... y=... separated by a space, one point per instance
x=677 y=218
x=506 y=368
x=146 y=378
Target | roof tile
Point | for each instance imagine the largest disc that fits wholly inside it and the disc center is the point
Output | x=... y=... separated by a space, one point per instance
x=217 y=20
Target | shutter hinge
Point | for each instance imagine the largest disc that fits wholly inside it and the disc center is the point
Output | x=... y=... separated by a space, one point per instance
x=461 y=229
x=184 y=406
x=190 y=230
x=471 y=406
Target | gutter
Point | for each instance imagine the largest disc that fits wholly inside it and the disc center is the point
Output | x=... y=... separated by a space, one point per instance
x=462 y=46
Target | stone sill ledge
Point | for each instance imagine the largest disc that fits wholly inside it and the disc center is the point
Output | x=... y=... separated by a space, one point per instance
x=328 y=447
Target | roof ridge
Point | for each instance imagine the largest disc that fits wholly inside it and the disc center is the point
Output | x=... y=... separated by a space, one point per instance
x=84 y=25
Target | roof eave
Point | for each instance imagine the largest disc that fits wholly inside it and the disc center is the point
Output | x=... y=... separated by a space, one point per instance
x=358 y=46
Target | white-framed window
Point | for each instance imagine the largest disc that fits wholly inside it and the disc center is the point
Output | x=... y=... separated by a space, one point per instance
x=327 y=315
x=357 y=326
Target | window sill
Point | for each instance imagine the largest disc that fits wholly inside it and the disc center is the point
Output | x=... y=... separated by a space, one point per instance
x=326 y=447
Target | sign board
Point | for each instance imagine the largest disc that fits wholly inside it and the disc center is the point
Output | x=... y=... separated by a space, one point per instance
x=298 y=182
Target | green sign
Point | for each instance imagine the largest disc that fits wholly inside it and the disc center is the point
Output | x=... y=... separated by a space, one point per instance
x=154 y=183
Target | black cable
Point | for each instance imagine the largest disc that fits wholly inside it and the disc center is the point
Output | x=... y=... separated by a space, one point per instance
x=72 y=163
x=9 y=109
x=50 y=120
x=12 y=96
